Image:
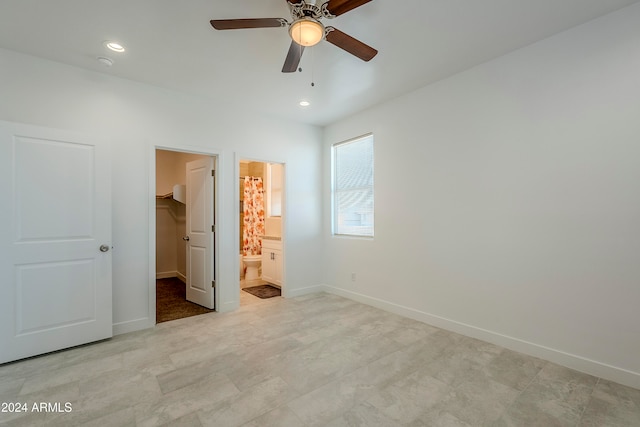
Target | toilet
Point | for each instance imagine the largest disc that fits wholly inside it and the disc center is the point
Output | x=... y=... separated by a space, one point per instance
x=252 y=262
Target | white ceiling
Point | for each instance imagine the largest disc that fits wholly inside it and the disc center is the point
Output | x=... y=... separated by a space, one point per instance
x=171 y=44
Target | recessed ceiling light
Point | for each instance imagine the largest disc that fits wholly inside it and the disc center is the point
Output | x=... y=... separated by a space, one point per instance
x=116 y=47
x=304 y=103
x=107 y=62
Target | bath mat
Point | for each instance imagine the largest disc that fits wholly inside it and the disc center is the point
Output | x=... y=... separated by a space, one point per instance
x=263 y=291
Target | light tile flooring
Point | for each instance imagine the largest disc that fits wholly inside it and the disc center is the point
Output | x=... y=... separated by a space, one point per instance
x=317 y=360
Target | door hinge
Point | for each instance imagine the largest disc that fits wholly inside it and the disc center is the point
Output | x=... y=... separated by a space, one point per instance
x=213 y=284
x=213 y=172
x=213 y=228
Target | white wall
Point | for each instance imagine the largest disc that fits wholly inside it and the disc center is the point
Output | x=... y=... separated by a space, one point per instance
x=507 y=201
x=136 y=118
x=169 y=218
x=171 y=169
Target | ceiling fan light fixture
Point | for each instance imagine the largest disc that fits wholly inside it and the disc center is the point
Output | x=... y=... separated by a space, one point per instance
x=306 y=31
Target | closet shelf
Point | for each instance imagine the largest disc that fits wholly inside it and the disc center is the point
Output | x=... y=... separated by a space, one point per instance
x=178 y=194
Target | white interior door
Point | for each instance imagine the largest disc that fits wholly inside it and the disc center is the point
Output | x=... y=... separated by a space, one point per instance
x=200 y=232
x=55 y=241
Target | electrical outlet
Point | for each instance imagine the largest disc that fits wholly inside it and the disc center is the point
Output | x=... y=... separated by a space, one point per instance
x=353 y=277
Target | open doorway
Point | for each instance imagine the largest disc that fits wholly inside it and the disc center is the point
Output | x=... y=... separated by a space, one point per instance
x=185 y=243
x=260 y=233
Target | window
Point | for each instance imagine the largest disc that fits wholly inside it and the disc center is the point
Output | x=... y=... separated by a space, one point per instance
x=274 y=189
x=353 y=187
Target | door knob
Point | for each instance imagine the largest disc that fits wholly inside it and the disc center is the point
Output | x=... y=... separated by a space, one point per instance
x=104 y=248
x=185 y=238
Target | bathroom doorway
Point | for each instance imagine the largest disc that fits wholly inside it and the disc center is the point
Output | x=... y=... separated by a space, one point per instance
x=260 y=231
x=185 y=249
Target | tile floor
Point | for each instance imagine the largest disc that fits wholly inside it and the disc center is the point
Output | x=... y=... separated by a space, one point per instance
x=317 y=360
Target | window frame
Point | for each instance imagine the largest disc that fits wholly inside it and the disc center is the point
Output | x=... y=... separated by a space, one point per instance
x=334 y=190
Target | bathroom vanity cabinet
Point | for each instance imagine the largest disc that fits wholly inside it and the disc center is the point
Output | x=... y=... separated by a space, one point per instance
x=272 y=261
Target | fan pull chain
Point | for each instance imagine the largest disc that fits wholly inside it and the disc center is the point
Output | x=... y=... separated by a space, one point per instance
x=313 y=63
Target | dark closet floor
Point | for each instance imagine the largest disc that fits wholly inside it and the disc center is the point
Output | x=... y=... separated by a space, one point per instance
x=171 y=303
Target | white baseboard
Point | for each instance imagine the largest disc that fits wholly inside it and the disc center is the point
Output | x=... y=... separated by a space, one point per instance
x=292 y=293
x=228 y=306
x=168 y=274
x=133 y=325
x=579 y=363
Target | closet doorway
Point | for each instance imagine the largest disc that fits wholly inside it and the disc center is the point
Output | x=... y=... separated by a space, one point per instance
x=185 y=234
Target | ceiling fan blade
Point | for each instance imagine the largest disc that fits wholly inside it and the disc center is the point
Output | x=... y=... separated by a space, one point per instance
x=236 y=24
x=351 y=45
x=338 y=7
x=293 y=58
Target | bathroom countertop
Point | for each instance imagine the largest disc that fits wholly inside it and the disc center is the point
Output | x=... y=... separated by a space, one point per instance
x=271 y=238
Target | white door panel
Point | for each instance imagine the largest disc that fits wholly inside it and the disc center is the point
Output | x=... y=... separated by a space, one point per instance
x=48 y=298
x=197 y=260
x=200 y=248
x=42 y=187
x=56 y=289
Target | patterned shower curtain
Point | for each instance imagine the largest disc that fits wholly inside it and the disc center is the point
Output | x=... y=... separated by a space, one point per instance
x=253 y=216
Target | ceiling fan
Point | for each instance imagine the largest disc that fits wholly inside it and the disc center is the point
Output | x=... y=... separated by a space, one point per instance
x=306 y=29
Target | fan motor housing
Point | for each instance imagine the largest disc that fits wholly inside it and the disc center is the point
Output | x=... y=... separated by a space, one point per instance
x=303 y=9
